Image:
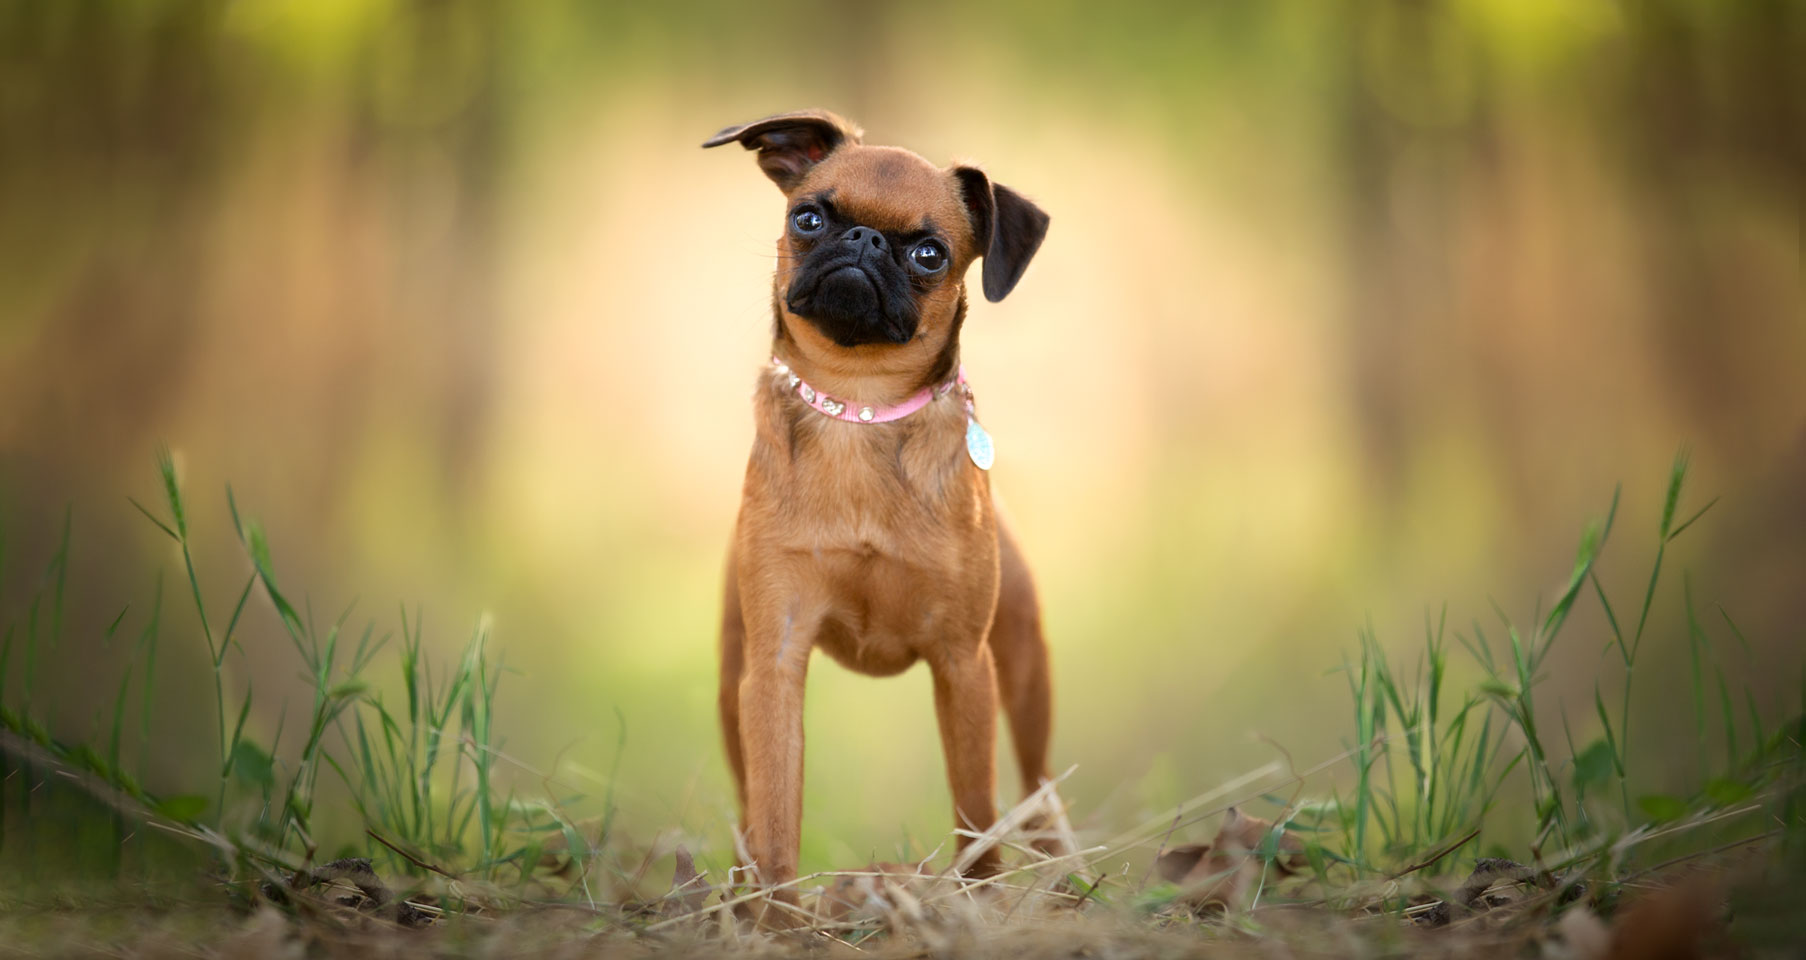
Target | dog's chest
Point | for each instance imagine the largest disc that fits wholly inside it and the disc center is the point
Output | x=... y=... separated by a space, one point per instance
x=889 y=530
x=858 y=487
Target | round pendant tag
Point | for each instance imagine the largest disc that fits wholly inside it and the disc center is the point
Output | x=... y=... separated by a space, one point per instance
x=978 y=445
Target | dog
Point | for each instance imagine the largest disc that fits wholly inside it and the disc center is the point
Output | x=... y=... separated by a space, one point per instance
x=866 y=526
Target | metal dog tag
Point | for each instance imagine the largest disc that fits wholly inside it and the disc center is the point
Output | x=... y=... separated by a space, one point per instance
x=978 y=444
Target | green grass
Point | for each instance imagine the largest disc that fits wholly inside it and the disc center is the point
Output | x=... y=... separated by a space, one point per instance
x=1452 y=753
x=404 y=771
x=1427 y=776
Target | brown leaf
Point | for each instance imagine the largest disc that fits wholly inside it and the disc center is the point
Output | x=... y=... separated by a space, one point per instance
x=1221 y=880
x=1679 y=922
x=1241 y=833
x=1174 y=864
x=688 y=890
x=1225 y=871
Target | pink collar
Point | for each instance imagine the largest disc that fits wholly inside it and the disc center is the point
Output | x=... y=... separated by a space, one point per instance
x=855 y=413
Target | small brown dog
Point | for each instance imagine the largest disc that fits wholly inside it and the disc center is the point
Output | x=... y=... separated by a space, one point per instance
x=866 y=525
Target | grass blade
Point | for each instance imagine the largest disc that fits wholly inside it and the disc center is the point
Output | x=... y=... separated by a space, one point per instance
x=238 y=609
x=1592 y=542
x=153 y=518
x=238 y=733
x=148 y=640
x=1677 y=477
x=1730 y=722
x=1605 y=723
x=1611 y=618
x=1696 y=639
x=1689 y=521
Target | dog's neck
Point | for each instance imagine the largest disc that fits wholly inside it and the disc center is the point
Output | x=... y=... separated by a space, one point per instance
x=876 y=375
x=855 y=383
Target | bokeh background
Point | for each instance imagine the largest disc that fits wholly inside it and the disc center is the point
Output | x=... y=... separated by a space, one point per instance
x=1348 y=311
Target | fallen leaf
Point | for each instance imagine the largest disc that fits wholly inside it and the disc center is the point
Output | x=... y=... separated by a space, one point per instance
x=1678 y=922
x=1175 y=863
x=688 y=890
x=1241 y=833
x=1225 y=871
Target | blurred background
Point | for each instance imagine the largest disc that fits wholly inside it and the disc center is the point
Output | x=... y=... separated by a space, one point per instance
x=1348 y=311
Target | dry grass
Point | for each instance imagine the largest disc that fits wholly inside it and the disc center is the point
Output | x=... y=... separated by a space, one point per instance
x=1375 y=851
x=1090 y=902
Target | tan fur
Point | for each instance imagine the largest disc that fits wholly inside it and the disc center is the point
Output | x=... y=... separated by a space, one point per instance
x=876 y=543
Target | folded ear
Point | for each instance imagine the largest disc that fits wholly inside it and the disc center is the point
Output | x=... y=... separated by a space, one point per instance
x=790 y=143
x=1008 y=227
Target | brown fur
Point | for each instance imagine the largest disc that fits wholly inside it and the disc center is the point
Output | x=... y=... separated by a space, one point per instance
x=877 y=544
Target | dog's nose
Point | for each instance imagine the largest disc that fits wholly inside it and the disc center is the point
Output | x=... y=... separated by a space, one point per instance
x=862 y=237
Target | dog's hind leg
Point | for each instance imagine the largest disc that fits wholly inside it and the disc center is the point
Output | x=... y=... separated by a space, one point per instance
x=1020 y=652
x=733 y=639
x=1024 y=685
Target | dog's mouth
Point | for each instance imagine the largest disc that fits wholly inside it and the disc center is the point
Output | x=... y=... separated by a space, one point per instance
x=850 y=305
x=850 y=290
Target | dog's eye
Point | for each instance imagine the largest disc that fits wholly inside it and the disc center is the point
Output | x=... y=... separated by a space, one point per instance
x=807 y=222
x=928 y=256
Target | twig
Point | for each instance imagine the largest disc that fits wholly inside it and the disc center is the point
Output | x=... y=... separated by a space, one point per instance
x=1023 y=899
x=1135 y=833
x=1159 y=852
x=1438 y=855
x=1091 y=890
x=997 y=878
x=416 y=861
x=1665 y=864
x=1017 y=816
x=743 y=898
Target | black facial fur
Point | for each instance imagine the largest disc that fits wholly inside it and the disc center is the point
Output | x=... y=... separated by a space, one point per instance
x=854 y=283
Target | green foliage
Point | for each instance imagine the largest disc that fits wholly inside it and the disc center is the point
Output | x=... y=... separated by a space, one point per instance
x=1451 y=775
x=1446 y=752
x=1594 y=765
x=1661 y=808
x=186 y=807
x=394 y=777
x=404 y=771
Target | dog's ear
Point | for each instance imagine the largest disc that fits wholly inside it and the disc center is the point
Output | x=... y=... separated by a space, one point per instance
x=790 y=143
x=1009 y=229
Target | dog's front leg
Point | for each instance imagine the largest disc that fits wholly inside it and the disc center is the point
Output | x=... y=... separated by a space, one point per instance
x=965 y=700
x=771 y=738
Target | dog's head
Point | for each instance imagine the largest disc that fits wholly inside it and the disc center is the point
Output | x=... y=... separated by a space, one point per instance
x=877 y=240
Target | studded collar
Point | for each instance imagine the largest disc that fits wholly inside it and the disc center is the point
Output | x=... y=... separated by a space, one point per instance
x=854 y=412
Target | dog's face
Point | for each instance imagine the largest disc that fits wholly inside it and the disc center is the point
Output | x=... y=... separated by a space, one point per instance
x=876 y=240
